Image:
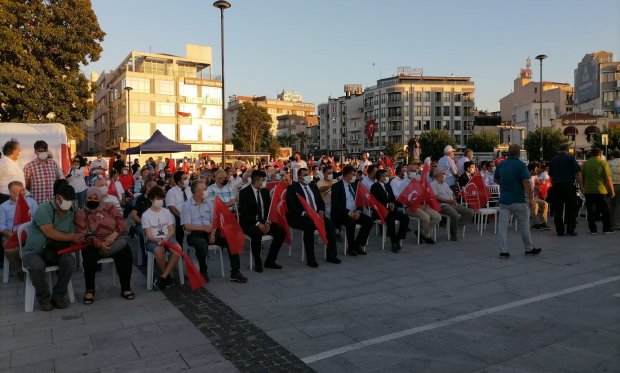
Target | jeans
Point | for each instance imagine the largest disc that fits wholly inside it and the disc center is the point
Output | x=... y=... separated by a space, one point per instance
x=35 y=264
x=597 y=204
x=81 y=197
x=521 y=212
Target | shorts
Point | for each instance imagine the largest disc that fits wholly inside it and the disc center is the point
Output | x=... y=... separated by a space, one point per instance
x=151 y=246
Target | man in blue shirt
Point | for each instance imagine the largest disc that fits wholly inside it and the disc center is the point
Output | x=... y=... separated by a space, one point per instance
x=514 y=181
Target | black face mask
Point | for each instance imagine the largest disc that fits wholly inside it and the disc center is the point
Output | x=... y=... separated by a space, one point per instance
x=225 y=182
x=92 y=204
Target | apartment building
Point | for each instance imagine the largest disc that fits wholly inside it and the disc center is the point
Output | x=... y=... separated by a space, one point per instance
x=597 y=85
x=292 y=126
x=176 y=95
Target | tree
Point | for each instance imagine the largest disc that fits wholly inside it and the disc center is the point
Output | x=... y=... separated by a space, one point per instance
x=483 y=141
x=253 y=128
x=42 y=44
x=394 y=151
x=284 y=140
x=552 y=140
x=433 y=142
x=273 y=147
x=303 y=138
x=614 y=139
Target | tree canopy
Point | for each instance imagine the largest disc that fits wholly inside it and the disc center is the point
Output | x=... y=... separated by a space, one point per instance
x=613 y=136
x=433 y=142
x=253 y=128
x=483 y=141
x=42 y=44
x=552 y=140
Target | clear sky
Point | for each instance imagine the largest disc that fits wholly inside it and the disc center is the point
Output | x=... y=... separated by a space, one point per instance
x=314 y=47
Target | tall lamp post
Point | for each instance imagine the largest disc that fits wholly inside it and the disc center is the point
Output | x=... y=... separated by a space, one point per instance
x=128 y=90
x=540 y=58
x=221 y=5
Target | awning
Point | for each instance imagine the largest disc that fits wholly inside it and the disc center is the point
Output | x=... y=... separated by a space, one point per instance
x=590 y=130
x=570 y=130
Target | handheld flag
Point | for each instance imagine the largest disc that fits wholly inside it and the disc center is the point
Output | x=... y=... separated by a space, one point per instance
x=229 y=227
x=389 y=163
x=483 y=192
x=21 y=216
x=71 y=249
x=195 y=278
x=319 y=222
x=277 y=210
x=413 y=195
x=430 y=199
x=363 y=198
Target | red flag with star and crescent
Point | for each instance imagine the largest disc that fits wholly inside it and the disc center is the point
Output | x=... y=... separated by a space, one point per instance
x=277 y=210
x=363 y=198
x=319 y=222
x=21 y=216
x=413 y=195
x=226 y=222
x=430 y=199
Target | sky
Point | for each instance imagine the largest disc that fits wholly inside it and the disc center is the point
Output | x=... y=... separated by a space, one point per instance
x=315 y=47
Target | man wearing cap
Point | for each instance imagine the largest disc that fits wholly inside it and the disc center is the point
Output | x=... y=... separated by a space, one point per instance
x=447 y=164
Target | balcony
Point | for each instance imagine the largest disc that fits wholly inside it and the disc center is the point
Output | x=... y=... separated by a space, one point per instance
x=395 y=118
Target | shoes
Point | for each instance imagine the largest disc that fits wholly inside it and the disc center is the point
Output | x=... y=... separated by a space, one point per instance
x=46 y=306
x=608 y=232
x=313 y=264
x=537 y=227
x=333 y=260
x=272 y=265
x=593 y=233
x=258 y=267
x=572 y=234
x=169 y=282
x=59 y=303
x=427 y=240
x=504 y=255
x=533 y=251
x=162 y=283
x=205 y=275
x=360 y=250
x=544 y=227
x=395 y=247
x=238 y=277
x=352 y=250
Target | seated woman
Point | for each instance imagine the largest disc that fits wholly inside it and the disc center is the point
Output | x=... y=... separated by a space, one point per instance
x=104 y=224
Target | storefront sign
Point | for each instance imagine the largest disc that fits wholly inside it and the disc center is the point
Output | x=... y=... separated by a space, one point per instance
x=204 y=82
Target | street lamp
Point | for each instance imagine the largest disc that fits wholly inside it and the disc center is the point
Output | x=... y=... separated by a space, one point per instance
x=128 y=90
x=541 y=57
x=221 y=5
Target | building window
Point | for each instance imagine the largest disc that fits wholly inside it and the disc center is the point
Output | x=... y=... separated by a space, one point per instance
x=417 y=111
x=457 y=111
x=141 y=107
x=212 y=92
x=446 y=97
x=417 y=96
x=138 y=84
x=394 y=112
x=457 y=125
x=427 y=125
x=164 y=87
x=188 y=90
x=426 y=111
x=437 y=124
x=427 y=96
x=188 y=132
x=457 y=97
x=394 y=97
x=446 y=125
x=437 y=96
x=437 y=111
x=446 y=111
x=164 y=109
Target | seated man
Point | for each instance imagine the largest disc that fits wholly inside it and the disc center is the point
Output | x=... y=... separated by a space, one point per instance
x=254 y=202
x=298 y=219
x=459 y=215
x=540 y=208
x=176 y=196
x=223 y=189
x=52 y=229
x=196 y=217
x=7 y=212
x=382 y=191
x=345 y=213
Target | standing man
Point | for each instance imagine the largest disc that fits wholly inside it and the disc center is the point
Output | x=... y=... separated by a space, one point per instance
x=447 y=164
x=9 y=168
x=41 y=173
x=176 y=197
x=118 y=164
x=514 y=181
x=468 y=156
x=614 y=165
x=296 y=165
x=364 y=163
x=98 y=166
x=254 y=202
x=345 y=213
x=564 y=171
x=597 y=185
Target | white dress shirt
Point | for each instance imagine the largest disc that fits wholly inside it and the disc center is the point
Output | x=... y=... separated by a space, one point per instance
x=174 y=197
x=398 y=185
x=447 y=164
x=9 y=171
x=367 y=182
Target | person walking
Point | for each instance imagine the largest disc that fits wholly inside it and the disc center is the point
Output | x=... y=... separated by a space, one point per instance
x=597 y=186
x=564 y=171
x=513 y=178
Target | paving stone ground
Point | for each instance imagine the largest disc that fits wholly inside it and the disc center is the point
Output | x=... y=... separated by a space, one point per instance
x=283 y=317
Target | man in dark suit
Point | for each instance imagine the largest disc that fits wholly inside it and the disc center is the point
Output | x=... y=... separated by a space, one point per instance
x=254 y=202
x=345 y=213
x=298 y=218
x=382 y=191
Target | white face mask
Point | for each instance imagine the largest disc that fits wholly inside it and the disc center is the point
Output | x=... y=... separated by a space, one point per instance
x=264 y=184
x=162 y=174
x=386 y=180
x=65 y=205
x=330 y=176
x=158 y=203
x=278 y=177
x=307 y=179
x=43 y=155
x=104 y=190
x=411 y=174
x=125 y=172
x=186 y=183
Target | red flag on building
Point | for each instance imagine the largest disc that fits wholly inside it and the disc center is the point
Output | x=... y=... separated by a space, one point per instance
x=229 y=227
x=483 y=192
x=196 y=280
x=319 y=222
x=413 y=195
x=21 y=216
x=184 y=114
x=430 y=199
x=277 y=210
x=363 y=198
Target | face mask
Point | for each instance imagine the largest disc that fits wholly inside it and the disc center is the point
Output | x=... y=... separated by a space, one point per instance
x=125 y=172
x=411 y=174
x=224 y=182
x=278 y=177
x=186 y=183
x=42 y=155
x=162 y=174
x=386 y=180
x=92 y=204
x=205 y=195
x=264 y=184
x=158 y=203
x=330 y=177
x=103 y=190
x=65 y=205
x=307 y=179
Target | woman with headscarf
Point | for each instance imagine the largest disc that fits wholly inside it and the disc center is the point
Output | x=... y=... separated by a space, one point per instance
x=103 y=225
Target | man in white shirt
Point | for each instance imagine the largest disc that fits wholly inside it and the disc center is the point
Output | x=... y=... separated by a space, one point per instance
x=297 y=164
x=364 y=163
x=400 y=181
x=9 y=169
x=468 y=156
x=369 y=179
x=488 y=176
x=160 y=164
x=459 y=215
x=176 y=198
x=447 y=164
x=98 y=166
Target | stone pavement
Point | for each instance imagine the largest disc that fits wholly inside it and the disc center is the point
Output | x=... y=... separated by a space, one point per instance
x=449 y=307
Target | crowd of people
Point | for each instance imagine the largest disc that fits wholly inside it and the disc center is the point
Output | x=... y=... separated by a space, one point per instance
x=102 y=204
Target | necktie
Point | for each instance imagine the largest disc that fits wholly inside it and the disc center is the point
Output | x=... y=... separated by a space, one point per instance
x=311 y=197
x=260 y=206
x=184 y=195
x=351 y=190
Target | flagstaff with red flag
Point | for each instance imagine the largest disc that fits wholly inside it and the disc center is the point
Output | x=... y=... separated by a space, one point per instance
x=413 y=195
x=363 y=198
x=318 y=220
x=226 y=222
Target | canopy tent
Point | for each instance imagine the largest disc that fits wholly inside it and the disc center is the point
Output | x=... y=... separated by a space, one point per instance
x=158 y=143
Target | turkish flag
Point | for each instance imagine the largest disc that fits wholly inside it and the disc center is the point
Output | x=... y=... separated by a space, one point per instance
x=71 y=249
x=277 y=210
x=184 y=114
x=272 y=184
x=319 y=222
x=471 y=196
x=112 y=190
x=483 y=192
x=389 y=163
x=193 y=275
x=229 y=227
x=172 y=166
x=413 y=195
x=363 y=198
x=21 y=216
x=544 y=188
x=185 y=168
x=430 y=199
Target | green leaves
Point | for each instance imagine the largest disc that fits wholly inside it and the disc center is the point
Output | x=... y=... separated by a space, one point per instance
x=433 y=142
x=253 y=129
x=552 y=140
x=42 y=44
x=483 y=141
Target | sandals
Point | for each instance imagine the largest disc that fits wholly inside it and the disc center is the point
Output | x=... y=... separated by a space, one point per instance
x=91 y=299
x=128 y=295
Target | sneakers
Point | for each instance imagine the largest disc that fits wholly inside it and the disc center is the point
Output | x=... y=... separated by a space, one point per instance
x=537 y=227
x=504 y=255
x=238 y=277
x=164 y=283
x=608 y=232
x=533 y=251
x=427 y=240
x=46 y=306
x=544 y=227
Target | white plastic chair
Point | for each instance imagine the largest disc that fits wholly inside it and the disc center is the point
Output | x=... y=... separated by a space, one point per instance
x=29 y=292
x=481 y=216
x=150 y=267
x=263 y=239
x=303 y=249
x=115 y=282
x=191 y=253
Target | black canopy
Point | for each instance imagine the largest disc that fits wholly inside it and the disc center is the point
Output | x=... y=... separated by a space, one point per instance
x=158 y=143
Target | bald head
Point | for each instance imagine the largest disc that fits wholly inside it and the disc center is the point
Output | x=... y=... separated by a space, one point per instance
x=514 y=150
